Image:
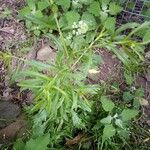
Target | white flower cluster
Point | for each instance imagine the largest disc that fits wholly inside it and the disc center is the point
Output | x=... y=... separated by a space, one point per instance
x=79 y=28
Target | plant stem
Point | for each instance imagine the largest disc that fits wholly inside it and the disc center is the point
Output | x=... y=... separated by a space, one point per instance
x=86 y=49
x=61 y=36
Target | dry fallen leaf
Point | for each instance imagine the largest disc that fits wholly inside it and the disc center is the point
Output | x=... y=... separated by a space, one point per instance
x=75 y=140
x=143 y=102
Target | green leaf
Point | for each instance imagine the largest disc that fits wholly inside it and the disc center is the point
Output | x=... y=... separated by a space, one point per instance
x=31 y=4
x=105 y=4
x=107 y=120
x=130 y=25
x=40 y=143
x=64 y=3
x=108 y=132
x=127 y=96
x=24 y=12
x=128 y=77
x=128 y=114
x=146 y=37
x=39 y=65
x=85 y=105
x=78 y=42
x=114 y=9
x=43 y=4
x=86 y=2
x=76 y=120
x=139 y=92
x=107 y=104
x=72 y=16
x=94 y=8
x=119 y=123
x=34 y=74
x=109 y=24
x=19 y=145
x=47 y=22
x=123 y=133
x=89 y=19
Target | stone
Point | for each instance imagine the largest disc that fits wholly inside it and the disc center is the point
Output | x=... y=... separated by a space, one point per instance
x=147 y=55
x=8 y=113
x=47 y=54
x=93 y=74
x=14 y=130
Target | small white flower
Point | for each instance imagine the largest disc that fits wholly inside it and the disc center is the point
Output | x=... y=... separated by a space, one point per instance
x=133 y=89
x=77 y=33
x=73 y=32
x=69 y=37
x=75 y=2
x=81 y=22
x=74 y=25
x=115 y=116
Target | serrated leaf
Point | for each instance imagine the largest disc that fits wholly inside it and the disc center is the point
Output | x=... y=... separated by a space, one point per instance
x=42 y=5
x=39 y=65
x=78 y=42
x=107 y=120
x=31 y=4
x=139 y=92
x=146 y=37
x=109 y=24
x=123 y=132
x=127 y=96
x=85 y=105
x=72 y=16
x=128 y=77
x=105 y=4
x=24 y=12
x=18 y=145
x=128 y=114
x=64 y=3
x=40 y=143
x=89 y=19
x=119 y=123
x=108 y=132
x=130 y=25
x=114 y=9
x=86 y=2
x=94 y=8
x=76 y=120
x=107 y=104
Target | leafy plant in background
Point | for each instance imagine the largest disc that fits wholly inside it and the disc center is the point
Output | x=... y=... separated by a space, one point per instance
x=79 y=27
x=114 y=122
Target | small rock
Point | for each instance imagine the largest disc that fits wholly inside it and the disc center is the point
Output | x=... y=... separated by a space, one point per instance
x=144 y=102
x=147 y=55
x=93 y=75
x=8 y=113
x=10 y=132
x=46 y=54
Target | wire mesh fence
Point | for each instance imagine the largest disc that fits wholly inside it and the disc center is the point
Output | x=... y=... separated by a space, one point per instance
x=134 y=10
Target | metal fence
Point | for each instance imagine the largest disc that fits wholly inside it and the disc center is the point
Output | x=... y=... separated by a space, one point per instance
x=134 y=10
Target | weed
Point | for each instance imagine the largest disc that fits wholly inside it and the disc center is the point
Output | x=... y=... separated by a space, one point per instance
x=64 y=104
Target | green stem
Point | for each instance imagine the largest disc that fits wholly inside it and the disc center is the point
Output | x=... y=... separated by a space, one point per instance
x=62 y=38
x=86 y=49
